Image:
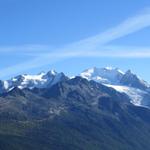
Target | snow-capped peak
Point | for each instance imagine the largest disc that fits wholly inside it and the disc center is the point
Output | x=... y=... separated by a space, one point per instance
x=33 y=77
x=40 y=80
x=104 y=75
x=52 y=72
x=115 y=76
x=112 y=69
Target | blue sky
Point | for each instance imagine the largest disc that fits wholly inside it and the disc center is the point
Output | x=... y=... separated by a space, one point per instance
x=72 y=35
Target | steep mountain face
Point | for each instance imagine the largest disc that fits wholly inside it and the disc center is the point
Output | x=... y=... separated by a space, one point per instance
x=41 y=80
x=75 y=114
x=136 y=88
x=132 y=80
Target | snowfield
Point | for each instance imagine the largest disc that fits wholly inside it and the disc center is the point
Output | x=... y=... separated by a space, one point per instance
x=136 y=95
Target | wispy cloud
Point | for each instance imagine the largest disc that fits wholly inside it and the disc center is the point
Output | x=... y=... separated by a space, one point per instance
x=50 y=58
x=26 y=49
x=94 y=46
x=128 y=26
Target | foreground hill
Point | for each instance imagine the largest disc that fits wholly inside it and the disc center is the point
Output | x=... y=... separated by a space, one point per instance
x=73 y=114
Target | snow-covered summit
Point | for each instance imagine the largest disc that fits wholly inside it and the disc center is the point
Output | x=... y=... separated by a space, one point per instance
x=114 y=76
x=41 y=80
x=107 y=75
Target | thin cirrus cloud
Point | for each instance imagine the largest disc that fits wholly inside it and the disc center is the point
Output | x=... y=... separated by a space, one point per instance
x=26 y=49
x=94 y=46
x=128 y=26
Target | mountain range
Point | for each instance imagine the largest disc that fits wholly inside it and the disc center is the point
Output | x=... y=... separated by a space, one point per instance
x=100 y=109
x=137 y=89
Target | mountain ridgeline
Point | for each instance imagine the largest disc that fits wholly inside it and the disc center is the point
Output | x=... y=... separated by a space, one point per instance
x=101 y=109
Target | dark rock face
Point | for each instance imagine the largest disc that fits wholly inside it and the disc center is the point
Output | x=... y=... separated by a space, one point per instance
x=132 y=80
x=75 y=114
x=1 y=86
